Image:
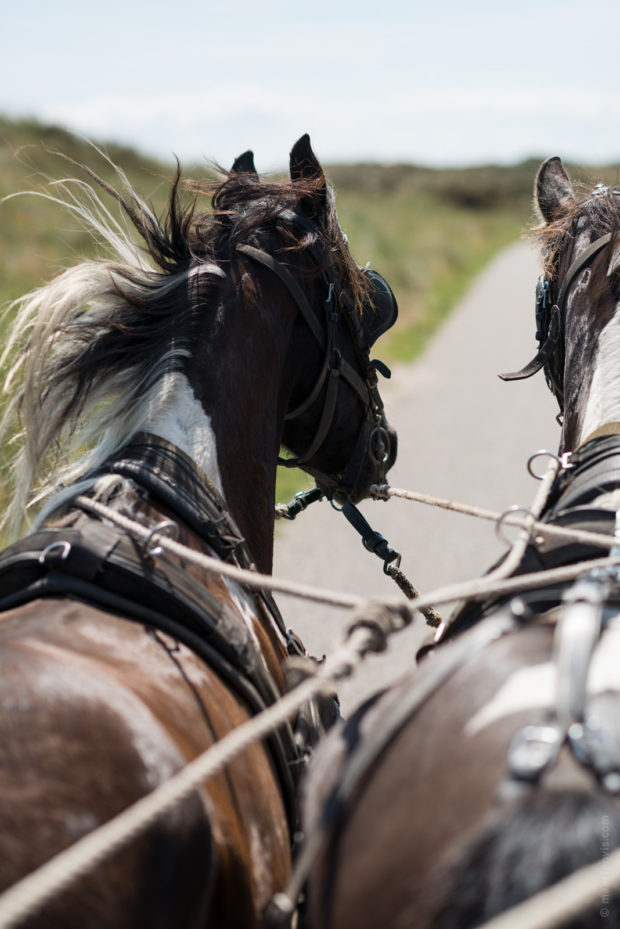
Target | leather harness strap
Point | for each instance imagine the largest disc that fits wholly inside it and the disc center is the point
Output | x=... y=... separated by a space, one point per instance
x=165 y=472
x=334 y=369
x=548 y=348
x=102 y=565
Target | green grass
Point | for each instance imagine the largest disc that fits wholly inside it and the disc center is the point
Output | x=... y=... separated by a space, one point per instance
x=429 y=232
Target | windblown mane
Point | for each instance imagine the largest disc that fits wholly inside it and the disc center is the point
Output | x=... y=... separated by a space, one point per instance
x=600 y=213
x=92 y=354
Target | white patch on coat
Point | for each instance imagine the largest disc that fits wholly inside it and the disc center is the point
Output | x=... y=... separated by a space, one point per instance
x=603 y=405
x=534 y=688
x=244 y=604
x=182 y=420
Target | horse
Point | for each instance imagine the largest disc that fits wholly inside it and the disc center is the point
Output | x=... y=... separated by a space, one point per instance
x=161 y=380
x=492 y=769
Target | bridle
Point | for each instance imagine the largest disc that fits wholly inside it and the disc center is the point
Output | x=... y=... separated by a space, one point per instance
x=372 y=440
x=550 y=324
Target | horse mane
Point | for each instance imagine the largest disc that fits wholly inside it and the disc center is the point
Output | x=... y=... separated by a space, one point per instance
x=524 y=848
x=93 y=353
x=600 y=213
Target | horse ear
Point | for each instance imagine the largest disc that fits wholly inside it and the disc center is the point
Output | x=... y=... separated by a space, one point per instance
x=304 y=166
x=553 y=190
x=244 y=164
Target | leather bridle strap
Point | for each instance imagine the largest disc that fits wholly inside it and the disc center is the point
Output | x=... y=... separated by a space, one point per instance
x=333 y=369
x=268 y=261
x=543 y=356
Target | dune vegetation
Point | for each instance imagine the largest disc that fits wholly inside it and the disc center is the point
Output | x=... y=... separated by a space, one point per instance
x=428 y=231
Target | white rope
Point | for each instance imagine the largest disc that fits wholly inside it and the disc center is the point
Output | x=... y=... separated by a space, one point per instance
x=537 y=528
x=32 y=892
x=474 y=589
x=244 y=576
x=29 y=894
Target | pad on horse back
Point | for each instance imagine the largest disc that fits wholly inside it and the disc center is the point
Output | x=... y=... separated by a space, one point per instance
x=493 y=769
x=119 y=663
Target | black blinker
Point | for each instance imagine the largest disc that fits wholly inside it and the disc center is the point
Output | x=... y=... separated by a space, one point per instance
x=382 y=311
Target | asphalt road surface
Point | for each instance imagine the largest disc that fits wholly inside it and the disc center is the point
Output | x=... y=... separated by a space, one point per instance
x=463 y=434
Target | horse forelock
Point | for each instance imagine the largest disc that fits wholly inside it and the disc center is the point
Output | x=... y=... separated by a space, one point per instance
x=93 y=352
x=590 y=215
x=244 y=209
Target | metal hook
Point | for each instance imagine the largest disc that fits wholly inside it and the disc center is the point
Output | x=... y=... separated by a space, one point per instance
x=64 y=548
x=165 y=524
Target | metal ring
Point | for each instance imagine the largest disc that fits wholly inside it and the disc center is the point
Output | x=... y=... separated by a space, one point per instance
x=159 y=528
x=63 y=546
x=542 y=453
x=379 y=445
x=500 y=520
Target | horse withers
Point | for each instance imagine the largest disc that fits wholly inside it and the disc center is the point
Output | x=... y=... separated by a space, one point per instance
x=162 y=381
x=493 y=769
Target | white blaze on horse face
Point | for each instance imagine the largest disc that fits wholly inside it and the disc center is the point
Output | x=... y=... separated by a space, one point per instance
x=603 y=404
x=181 y=419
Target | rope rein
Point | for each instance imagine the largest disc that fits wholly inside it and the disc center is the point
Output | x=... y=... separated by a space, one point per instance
x=372 y=623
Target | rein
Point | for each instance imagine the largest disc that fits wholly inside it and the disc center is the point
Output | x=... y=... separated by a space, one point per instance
x=372 y=439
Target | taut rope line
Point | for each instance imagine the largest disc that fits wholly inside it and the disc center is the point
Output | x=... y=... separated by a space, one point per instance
x=375 y=622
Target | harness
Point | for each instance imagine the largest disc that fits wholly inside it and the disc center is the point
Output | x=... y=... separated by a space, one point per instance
x=373 y=440
x=550 y=324
x=102 y=565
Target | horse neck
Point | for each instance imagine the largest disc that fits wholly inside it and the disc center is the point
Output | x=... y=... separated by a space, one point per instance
x=227 y=413
x=592 y=366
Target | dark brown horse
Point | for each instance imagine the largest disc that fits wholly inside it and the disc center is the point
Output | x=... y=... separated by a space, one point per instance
x=174 y=371
x=493 y=769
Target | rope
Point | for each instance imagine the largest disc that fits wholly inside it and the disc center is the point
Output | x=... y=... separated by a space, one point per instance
x=367 y=633
x=244 y=576
x=477 y=588
x=373 y=623
x=383 y=492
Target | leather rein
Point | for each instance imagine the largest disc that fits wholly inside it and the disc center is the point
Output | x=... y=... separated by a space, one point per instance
x=372 y=439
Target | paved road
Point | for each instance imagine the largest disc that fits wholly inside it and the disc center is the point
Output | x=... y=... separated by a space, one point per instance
x=463 y=434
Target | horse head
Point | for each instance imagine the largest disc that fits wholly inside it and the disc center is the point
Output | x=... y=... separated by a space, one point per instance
x=304 y=318
x=578 y=326
x=230 y=332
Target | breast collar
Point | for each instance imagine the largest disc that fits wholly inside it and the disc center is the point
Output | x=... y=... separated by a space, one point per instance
x=170 y=476
x=100 y=564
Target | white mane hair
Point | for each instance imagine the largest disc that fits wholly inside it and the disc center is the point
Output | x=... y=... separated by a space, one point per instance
x=96 y=352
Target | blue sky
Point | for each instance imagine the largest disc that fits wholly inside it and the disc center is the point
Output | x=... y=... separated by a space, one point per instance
x=438 y=83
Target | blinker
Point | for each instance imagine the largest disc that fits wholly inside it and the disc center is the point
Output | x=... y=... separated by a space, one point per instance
x=382 y=311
